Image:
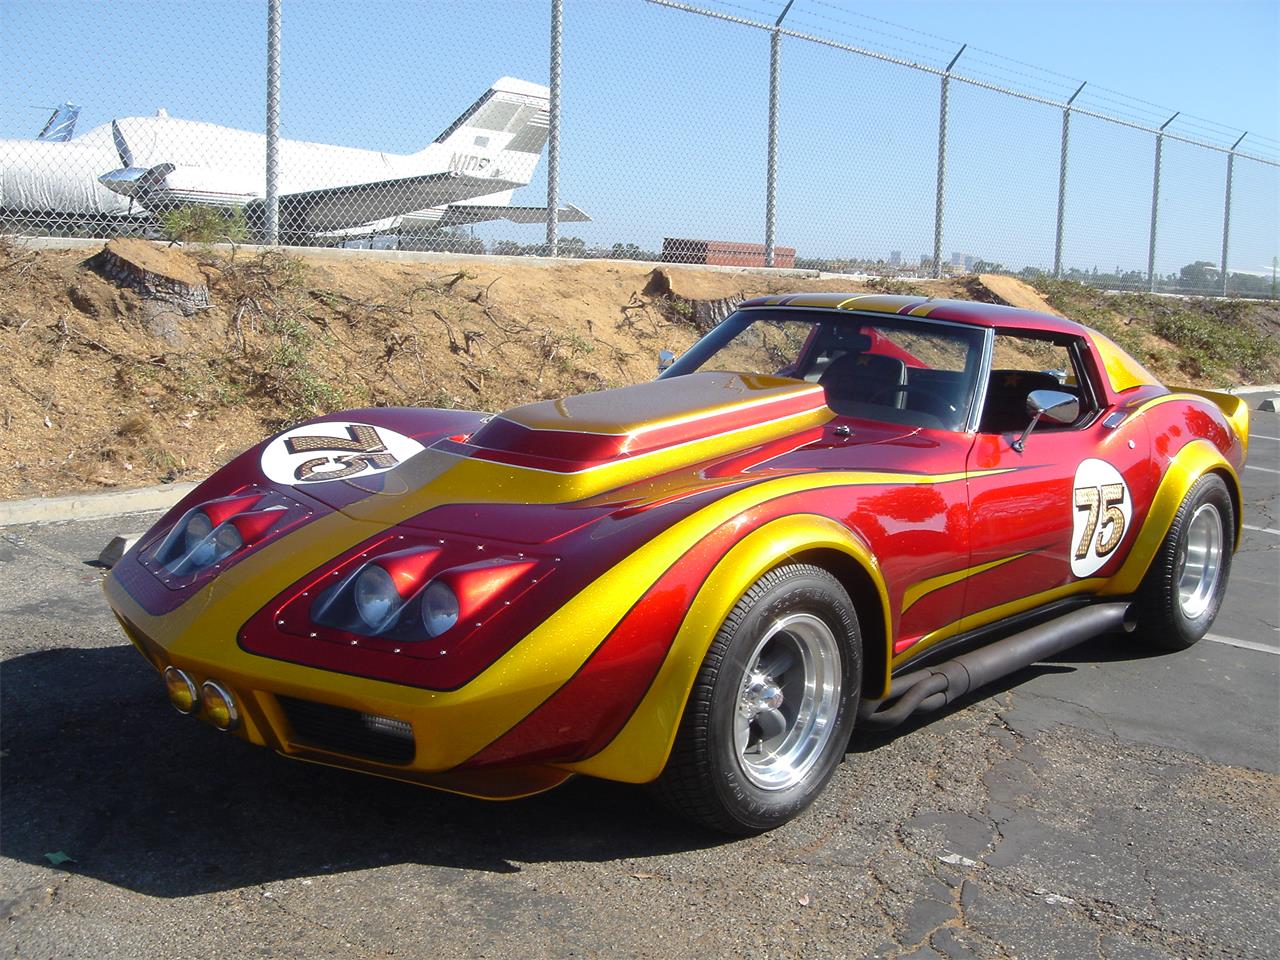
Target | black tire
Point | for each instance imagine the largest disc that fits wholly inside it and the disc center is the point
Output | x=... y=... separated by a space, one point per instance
x=1167 y=618
x=708 y=778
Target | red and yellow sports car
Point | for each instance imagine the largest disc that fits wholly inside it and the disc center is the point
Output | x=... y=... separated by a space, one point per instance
x=832 y=511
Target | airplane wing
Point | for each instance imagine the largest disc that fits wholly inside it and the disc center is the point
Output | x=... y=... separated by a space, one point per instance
x=337 y=208
x=459 y=213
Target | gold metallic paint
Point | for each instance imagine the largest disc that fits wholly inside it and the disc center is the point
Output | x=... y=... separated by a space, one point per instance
x=473 y=716
x=989 y=616
x=1193 y=461
x=1123 y=372
x=615 y=413
x=918 y=591
x=639 y=752
x=565 y=486
x=875 y=302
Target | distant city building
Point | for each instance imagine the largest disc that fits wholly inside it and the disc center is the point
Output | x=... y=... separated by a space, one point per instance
x=969 y=261
x=895 y=258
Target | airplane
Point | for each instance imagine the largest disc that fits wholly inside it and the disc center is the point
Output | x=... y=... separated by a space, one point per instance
x=50 y=183
x=61 y=125
x=121 y=173
x=467 y=175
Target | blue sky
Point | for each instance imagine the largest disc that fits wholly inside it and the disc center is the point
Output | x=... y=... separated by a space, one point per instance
x=664 y=121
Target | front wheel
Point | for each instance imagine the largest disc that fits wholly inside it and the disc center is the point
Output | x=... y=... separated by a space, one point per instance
x=772 y=708
x=1184 y=588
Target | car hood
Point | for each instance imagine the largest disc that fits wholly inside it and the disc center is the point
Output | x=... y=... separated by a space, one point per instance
x=597 y=441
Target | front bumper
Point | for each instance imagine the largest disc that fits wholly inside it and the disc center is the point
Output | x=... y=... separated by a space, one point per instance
x=343 y=721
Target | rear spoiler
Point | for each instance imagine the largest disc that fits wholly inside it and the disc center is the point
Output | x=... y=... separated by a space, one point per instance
x=1233 y=408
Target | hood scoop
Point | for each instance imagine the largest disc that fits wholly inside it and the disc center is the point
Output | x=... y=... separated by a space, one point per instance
x=665 y=424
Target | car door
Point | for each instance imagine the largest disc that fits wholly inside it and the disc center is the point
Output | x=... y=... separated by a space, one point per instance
x=1049 y=520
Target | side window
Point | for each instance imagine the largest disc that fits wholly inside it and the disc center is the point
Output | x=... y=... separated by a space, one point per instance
x=1021 y=364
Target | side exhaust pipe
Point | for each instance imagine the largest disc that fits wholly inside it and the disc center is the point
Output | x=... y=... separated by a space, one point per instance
x=934 y=687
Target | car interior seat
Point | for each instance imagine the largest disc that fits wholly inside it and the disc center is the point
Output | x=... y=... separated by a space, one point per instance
x=857 y=378
x=1005 y=409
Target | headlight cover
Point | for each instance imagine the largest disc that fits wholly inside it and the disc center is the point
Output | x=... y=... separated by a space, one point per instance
x=376 y=598
x=439 y=608
x=216 y=533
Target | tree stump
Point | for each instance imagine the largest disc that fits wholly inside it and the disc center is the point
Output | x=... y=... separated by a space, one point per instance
x=156 y=273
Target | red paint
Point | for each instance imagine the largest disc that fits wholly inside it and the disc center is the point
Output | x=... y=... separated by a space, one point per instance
x=567 y=451
x=581 y=717
x=479 y=585
x=409 y=568
x=225 y=508
x=159 y=591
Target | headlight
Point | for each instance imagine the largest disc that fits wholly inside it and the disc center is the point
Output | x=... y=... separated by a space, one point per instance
x=205 y=544
x=198 y=549
x=439 y=608
x=376 y=597
x=227 y=540
x=198 y=527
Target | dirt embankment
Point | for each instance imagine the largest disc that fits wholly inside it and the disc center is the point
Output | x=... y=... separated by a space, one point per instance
x=112 y=380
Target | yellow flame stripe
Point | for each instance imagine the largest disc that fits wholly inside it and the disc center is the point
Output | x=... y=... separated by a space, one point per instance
x=1122 y=370
x=640 y=409
x=1189 y=464
x=200 y=635
x=983 y=618
x=640 y=750
x=918 y=591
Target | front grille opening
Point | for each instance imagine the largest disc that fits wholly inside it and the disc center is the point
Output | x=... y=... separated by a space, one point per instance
x=350 y=732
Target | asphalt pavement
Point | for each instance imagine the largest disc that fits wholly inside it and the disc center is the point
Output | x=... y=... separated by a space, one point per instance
x=1113 y=804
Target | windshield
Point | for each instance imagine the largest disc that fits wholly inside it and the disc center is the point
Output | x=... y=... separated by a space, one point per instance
x=901 y=370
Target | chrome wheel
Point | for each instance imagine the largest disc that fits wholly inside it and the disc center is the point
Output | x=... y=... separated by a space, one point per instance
x=1200 y=561
x=789 y=700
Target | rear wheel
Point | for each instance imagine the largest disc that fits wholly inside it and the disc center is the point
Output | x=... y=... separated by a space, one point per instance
x=771 y=710
x=1183 y=590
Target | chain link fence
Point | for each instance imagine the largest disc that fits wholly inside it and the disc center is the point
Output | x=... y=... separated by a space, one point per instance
x=758 y=132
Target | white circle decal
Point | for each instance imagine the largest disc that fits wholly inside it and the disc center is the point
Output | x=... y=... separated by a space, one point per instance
x=335 y=450
x=1102 y=510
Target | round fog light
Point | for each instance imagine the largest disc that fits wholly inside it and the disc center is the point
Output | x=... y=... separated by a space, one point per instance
x=181 y=689
x=218 y=706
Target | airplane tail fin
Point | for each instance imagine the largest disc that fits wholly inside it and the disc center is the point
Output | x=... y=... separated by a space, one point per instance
x=511 y=116
x=61 y=125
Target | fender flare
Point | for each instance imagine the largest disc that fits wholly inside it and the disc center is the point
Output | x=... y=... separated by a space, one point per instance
x=640 y=750
x=1196 y=458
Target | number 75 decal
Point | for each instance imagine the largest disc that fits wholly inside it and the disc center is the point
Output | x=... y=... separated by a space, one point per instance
x=1101 y=512
x=335 y=450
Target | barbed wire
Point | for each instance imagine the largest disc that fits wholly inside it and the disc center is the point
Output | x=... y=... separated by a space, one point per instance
x=986 y=64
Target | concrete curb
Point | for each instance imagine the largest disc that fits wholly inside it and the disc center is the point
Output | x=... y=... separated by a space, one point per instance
x=88 y=506
x=1260 y=388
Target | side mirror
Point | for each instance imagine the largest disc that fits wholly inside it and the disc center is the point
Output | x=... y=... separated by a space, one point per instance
x=1056 y=406
x=665 y=359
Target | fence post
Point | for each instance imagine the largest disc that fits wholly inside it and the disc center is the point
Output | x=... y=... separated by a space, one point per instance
x=1062 y=181
x=771 y=172
x=553 y=134
x=942 y=165
x=272 y=226
x=1226 y=211
x=1155 y=206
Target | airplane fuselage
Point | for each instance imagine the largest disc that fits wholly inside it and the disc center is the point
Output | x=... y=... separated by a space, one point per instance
x=155 y=164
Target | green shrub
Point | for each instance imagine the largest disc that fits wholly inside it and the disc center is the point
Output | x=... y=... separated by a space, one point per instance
x=196 y=223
